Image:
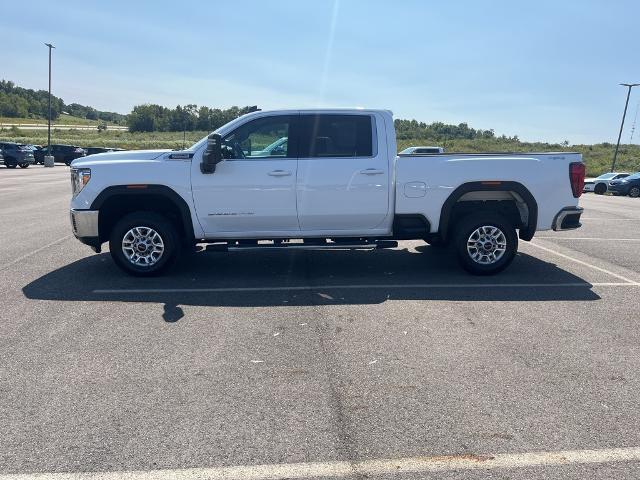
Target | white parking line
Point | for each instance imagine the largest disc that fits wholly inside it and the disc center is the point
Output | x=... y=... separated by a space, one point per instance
x=27 y=255
x=365 y=468
x=426 y=286
x=609 y=218
x=591 y=238
x=582 y=263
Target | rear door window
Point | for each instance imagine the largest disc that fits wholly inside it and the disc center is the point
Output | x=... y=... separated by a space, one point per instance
x=330 y=135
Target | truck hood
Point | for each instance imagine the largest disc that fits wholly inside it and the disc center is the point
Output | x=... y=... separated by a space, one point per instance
x=110 y=157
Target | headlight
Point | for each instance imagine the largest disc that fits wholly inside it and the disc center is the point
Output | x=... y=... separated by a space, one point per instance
x=79 y=178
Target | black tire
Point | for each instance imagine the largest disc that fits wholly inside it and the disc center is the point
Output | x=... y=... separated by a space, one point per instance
x=600 y=189
x=24 y=165
x=634 y=192
x=145 y=220
x=467 y=226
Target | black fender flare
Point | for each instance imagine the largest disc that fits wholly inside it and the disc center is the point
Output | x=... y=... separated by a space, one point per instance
x=526 y=233
x=138 y=190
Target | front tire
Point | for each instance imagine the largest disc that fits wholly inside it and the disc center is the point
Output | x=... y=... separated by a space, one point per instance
x=144 y=244
x=485 y=242
x=600 y=189
x=24 y=165
x=634 y=192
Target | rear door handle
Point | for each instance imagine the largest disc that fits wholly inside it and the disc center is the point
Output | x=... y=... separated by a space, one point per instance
x=372 y=171
x=279 y=173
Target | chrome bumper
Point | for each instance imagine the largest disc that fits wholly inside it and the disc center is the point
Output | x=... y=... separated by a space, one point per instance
x=84 y=223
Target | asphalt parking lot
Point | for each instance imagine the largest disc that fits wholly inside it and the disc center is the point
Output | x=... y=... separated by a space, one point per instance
x=387 y=364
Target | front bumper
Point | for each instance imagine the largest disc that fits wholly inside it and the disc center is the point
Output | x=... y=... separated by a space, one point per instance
x=620 y=188
x=589 y=187
x=84 y=224
x=567 y=219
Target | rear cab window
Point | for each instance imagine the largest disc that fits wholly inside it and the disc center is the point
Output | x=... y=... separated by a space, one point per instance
x=336 y=135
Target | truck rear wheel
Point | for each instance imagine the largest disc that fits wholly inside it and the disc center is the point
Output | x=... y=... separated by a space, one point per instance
x=144 y=244
x=485 y=242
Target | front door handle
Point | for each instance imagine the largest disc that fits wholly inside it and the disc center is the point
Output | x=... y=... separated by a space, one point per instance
x=372 y=171
x=279 y=173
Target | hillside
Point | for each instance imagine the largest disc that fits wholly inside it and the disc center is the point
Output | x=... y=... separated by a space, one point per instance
x=25 y=103
x=156 y=126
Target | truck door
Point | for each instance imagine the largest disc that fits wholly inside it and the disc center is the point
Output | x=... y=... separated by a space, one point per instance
x=343 y=177
x=252 y=191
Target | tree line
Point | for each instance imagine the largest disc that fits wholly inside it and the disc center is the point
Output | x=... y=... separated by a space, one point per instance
x=23 y=102
x=156 y=118
x=18 y=102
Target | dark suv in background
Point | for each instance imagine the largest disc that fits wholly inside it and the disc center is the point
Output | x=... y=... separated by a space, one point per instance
x=61 y=153
x=626 y=186
x=15 y=154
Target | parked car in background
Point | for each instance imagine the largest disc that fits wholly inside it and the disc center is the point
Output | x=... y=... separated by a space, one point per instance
x=16 y=155
x=64 y=153
x=94 y=150
x=419 y=150
x=279 y=147
x=629 y=185
x=599 y=185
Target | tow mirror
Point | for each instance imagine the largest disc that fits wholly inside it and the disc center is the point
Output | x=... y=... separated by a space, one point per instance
x=212 y=155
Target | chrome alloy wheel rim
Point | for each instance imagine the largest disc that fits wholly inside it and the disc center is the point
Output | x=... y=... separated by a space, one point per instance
x=486 y=245
x=142 y=246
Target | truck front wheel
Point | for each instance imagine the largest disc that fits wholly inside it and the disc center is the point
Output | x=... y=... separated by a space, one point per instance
x=485 y=242
x=144 y=244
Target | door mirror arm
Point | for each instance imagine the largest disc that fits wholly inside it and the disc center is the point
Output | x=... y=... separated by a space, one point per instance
x=212 y=155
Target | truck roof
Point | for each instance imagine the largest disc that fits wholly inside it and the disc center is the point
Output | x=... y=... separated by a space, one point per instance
x=322 y=110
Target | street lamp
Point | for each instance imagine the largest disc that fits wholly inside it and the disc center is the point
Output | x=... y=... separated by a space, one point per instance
x=615 y=154
x=49 y=124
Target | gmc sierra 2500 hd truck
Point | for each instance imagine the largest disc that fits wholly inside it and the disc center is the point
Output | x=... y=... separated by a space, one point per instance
x=336 y=182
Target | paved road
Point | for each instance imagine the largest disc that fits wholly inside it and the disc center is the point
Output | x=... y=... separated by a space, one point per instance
x=318 y=359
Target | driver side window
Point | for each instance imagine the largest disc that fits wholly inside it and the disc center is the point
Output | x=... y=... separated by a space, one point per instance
x=260 y=138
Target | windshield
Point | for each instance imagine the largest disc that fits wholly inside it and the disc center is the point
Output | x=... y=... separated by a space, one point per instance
x=606 y=176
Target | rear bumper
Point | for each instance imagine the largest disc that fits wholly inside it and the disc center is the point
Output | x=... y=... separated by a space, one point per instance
x=567 y=219
x=84 y=224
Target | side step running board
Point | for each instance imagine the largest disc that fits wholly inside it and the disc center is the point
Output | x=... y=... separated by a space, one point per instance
x=302 y=246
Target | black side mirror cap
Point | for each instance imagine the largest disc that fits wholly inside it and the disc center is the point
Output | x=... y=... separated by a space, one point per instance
x=212 y=155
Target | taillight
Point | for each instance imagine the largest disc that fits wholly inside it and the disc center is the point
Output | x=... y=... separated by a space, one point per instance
x=576 y=177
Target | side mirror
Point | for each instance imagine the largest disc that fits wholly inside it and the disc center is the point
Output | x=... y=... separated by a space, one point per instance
x=212 y=155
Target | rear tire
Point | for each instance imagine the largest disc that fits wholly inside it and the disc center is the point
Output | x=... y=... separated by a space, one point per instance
x=600 y=189
x=485 y=242
x=634 y=192
x=144 y=244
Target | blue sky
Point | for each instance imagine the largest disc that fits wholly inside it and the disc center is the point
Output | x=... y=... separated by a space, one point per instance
x=542 y=70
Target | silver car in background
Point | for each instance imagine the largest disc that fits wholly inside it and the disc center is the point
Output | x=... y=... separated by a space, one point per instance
x=600 y=185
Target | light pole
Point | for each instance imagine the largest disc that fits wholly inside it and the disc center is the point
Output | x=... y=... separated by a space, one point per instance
x=49 y=124
x=626 y=104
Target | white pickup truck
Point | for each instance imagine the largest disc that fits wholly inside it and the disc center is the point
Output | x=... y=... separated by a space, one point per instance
x=333 y=182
